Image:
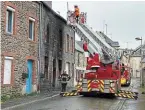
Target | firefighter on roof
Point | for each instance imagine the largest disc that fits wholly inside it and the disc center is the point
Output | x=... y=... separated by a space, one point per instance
x=77 y=13
x=63 y=78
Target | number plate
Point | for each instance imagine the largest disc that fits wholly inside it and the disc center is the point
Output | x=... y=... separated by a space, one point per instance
x=95 y=89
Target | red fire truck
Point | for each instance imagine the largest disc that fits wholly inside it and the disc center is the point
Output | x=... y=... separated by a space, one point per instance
x=125 y=75
x=100 y=76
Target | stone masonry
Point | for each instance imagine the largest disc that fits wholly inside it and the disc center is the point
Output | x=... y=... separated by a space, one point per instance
x=18 y=46
x=53 y=47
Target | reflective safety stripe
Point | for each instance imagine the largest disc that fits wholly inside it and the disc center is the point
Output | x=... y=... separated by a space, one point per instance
x=101 y=88
x=127 y=92
x=79 y=85
x=130 y=96
x=89 y=89
x=89 y=85
x=112 y=90
x=69 y=94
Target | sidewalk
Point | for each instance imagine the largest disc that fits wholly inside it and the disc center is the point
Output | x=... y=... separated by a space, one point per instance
x=28 y=99
x=138 y=104
x=31 y=99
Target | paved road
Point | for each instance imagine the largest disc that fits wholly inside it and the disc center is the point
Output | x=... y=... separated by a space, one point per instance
x=79 y=103
x=71 y=103
x=138 y=104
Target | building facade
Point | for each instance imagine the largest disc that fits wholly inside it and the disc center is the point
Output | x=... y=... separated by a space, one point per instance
x=135 y=60
x=80 y=61
x=19 y=47
x=56 y=47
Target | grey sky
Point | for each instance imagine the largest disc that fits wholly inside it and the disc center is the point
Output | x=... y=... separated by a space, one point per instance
x=125 y=19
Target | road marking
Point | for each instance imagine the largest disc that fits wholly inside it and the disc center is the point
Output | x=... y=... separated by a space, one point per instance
x=30 y=102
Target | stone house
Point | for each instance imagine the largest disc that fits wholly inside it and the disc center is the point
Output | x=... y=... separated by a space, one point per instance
x=56 y=47
x=143 y=69
x=135 y=60
x=80 y=61
x=19 y=47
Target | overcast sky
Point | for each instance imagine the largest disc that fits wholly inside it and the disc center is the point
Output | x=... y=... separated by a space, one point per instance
x=125 y=20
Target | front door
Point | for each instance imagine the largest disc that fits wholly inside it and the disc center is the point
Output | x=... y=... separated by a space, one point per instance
x=29 y=79
x=54 y=72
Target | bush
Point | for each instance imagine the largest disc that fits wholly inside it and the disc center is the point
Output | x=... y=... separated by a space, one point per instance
x=5 y=98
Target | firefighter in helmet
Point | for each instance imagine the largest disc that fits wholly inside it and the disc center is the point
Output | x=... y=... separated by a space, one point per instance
x=63 y=78
x=77 y=13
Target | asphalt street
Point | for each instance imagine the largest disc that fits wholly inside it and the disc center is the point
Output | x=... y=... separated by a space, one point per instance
x=71 y=103
x=85 y=103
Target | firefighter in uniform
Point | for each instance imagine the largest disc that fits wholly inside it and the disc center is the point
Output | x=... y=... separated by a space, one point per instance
x=77 y=13
x=63 y=78
x=123 y=69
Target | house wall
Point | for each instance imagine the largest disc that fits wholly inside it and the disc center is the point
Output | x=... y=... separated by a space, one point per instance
x=80 y=64
x=125 y=60
x=68 y=56
x=51 y=25
x=18 y=45
x=135 y=65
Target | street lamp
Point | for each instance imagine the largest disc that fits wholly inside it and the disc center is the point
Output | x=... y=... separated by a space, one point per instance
x=141 y=77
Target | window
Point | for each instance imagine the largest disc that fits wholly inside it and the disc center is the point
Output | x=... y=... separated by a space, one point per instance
x=72 y=46
x=67 y=43
x=67 y=68
x=9 y=20
x=7 y=70
x=78 y=59
x=73 y=70
x=47 y=37
x=61 y=40
x=31 y=28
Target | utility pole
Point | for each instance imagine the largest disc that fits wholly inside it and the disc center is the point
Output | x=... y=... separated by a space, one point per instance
x=67 y=12
x=103 y=25
x=67 y=7
x=106 y=28
x=127 y=45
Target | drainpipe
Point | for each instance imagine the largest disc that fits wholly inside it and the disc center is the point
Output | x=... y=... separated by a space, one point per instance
x=40 y=45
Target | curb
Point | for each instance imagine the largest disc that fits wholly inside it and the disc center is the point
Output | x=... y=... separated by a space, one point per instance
x=12 y=107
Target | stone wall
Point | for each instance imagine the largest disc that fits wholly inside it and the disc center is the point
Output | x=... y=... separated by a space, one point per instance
x=82 y=59
x=18 y=45
x=69 y=56
x=52 y=24
x=80 y=64
x=135 y=65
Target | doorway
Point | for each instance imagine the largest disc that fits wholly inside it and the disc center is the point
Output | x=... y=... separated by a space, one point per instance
x=46 y=67
x=29 y=79
x=60 y=67
x=54 y=72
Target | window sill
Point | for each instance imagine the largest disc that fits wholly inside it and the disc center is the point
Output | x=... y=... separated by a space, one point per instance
x=7 y=85
x=33 y=41
x=9 y=34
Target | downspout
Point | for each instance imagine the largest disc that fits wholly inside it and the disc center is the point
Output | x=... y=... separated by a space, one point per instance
x=40 y=43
